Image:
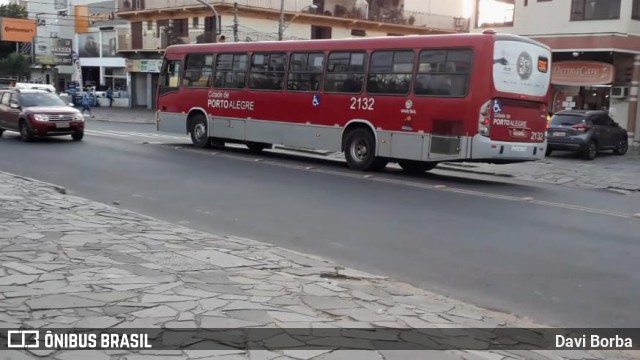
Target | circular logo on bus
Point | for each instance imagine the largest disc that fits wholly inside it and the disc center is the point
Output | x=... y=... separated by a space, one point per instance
x=408 y=104
x=524 y=65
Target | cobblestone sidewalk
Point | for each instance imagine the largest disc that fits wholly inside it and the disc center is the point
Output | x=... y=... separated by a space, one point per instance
x=618 y=173
x=70 y=262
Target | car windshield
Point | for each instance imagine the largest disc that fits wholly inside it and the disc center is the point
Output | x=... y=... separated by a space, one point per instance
x=40 y=99
x=568 y=120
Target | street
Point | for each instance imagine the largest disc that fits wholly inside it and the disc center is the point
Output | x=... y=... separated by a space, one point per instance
x=559 y=255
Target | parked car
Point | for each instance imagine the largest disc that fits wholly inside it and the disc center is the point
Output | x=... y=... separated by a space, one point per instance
x=38 y=113
x=587 y=132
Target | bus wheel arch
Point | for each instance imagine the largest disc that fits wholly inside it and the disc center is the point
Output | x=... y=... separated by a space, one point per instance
x=197 y=127
x=359 y=143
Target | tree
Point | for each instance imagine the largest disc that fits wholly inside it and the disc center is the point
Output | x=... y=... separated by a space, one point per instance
x=15 y=65
x=13 y=11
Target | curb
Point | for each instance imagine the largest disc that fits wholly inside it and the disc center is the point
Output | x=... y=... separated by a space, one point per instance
x=119 y=122
x=57 y=188
x=464 y=169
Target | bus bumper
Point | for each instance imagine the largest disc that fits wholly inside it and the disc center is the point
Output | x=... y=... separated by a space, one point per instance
x=483 y=148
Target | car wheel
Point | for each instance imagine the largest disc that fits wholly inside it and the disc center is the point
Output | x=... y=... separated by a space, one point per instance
x=590 y=151
x=548 y=152
x=199 y=134
x=360 y=151
x=416 y=167
x=622 y=147
x=77 y=136
x=25 y=133
x=1 y=131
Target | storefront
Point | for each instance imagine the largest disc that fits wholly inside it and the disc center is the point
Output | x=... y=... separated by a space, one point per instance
x=144 y=74
x=594 y=81
x=583 y=85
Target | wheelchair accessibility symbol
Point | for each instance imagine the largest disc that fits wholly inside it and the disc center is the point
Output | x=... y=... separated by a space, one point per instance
x=316 y=100
x=496 y=107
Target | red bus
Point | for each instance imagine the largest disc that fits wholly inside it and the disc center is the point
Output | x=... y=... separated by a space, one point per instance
x=414 y=100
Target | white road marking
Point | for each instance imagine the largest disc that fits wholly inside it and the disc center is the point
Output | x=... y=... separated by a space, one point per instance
x=129 y=134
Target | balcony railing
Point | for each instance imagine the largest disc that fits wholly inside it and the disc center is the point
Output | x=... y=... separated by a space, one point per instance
x=335 y=8
x=150 y=40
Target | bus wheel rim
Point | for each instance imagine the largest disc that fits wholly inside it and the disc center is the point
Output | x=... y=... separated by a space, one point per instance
x=199 y=131
x=359 y=150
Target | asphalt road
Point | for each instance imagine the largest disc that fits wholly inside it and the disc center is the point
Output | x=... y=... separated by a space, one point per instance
x=561 y=256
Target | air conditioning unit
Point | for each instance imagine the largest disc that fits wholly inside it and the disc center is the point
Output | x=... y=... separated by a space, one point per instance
x=619 y=92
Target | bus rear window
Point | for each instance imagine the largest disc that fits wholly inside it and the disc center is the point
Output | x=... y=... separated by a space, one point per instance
x=567 y=120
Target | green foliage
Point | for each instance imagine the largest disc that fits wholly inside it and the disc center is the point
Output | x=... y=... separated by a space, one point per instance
x=15 y=65
x=13 y=11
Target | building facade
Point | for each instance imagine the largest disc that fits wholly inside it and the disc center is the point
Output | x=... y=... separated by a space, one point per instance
x=55 y=30
x=596 y=49
x=155 y=24
x=95 y=42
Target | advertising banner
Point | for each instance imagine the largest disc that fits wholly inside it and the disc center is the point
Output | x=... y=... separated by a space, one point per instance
x=89 y=44
x=52 y=51
x=143 y=66
x=21 y=30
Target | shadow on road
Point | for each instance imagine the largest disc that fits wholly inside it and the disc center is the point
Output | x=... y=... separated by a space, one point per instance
x=449 y=179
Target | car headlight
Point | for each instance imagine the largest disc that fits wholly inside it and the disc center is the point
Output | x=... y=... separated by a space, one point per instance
x=78 y=117
x=40 y=117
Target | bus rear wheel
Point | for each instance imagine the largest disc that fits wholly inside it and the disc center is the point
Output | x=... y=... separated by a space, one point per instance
x=416 y=167
x=199 y=133
x=360 y=151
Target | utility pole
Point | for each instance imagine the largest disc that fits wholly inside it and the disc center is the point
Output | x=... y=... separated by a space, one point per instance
x=215 y=19
x=235 y=22
x=281 y=24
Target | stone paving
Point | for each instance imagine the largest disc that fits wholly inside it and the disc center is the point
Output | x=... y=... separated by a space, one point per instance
x=618 y=173
x=70 y=262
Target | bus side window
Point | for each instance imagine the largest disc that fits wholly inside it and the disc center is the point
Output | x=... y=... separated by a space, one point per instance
x=390 y=72
x=305 y=71
x=231 y=71
x=171 y=75
x=198 y=69
x=267 y=71
x=443 y=72
x=345 y=72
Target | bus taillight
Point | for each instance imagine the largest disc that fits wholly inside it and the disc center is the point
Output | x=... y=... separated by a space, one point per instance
x=485 y=119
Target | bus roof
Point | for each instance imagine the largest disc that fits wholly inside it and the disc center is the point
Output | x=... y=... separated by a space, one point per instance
x=412 y=41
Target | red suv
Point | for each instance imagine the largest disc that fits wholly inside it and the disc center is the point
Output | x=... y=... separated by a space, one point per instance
x=38 y=113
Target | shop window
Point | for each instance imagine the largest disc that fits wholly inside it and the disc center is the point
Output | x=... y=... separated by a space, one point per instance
x=267 y=71
x=494 y=13
x=198 y=70
x=231 y=71
x=595 y=10
x=345 y=72
x=305 y=71
x=443 y=72
x=390 y=72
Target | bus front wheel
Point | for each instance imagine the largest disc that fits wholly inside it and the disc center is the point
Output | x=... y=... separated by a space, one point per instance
x=199 y=133
x=360 y=151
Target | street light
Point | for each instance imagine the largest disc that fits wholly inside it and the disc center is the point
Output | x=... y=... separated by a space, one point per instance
x=281 y=25
x=216 y=17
